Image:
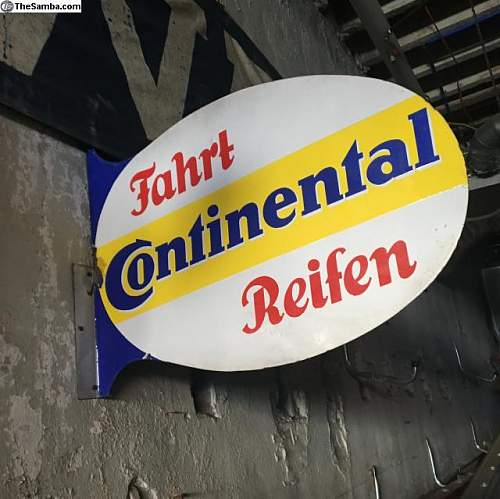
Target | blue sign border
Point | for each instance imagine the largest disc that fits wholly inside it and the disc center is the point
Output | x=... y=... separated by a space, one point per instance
x=114 y=351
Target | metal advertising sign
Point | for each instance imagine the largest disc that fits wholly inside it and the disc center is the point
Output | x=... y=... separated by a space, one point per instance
x=274 y=224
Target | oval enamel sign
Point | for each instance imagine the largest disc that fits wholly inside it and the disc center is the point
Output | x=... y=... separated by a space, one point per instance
x=280 y=222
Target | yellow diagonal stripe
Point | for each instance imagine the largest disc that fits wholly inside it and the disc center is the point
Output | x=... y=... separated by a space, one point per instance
x=285 y=172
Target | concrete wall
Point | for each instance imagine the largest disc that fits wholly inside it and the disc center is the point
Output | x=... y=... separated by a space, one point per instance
x=307 y=431
x=295 y=37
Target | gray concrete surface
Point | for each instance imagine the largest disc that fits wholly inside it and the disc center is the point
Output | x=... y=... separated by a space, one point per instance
x=304 y=431
x=293 y=34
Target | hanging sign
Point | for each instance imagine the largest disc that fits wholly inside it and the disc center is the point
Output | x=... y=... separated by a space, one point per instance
x=276 y=223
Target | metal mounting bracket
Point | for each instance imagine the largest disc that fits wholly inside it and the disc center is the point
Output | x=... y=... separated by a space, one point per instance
x=102 y=352
x=85 y=335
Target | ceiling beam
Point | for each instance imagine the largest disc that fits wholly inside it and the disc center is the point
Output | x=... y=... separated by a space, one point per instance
x=389 y=9
x=459 y=57
x=465 y=84
x=375 y=23
x=468 y=100
x=447 y=26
